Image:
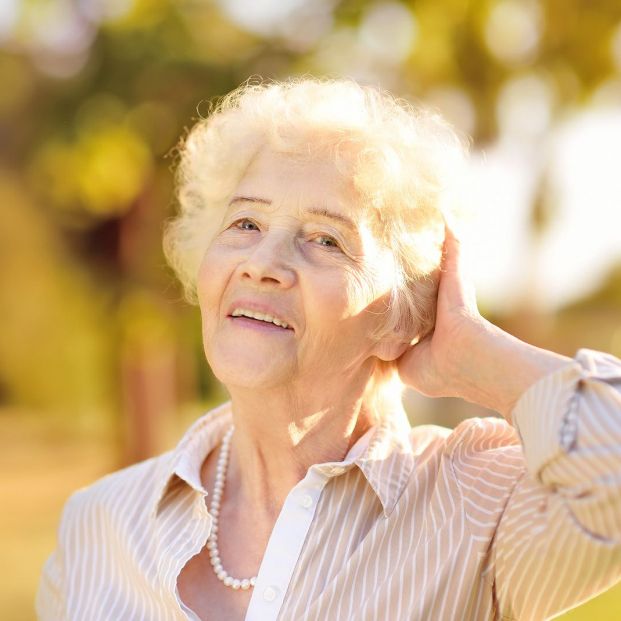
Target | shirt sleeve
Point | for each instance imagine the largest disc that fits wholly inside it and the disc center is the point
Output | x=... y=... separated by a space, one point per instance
x=558 y=541
x=51 y=598
x=50 y=603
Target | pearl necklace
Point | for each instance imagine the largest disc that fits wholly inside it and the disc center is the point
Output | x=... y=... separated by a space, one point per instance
x=214 y=509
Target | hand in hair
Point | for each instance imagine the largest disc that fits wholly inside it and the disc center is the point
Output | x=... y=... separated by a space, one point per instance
x=465 y=355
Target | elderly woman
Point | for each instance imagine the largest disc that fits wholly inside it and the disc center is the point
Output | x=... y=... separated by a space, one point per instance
x=312 y=229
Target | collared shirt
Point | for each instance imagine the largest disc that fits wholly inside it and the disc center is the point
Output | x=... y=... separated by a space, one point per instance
x=486 y=521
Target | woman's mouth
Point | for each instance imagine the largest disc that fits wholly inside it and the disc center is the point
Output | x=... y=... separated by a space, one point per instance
x=258 y=324
x=260 y=320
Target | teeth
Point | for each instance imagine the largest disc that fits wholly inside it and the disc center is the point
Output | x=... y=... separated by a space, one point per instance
x=242 y=312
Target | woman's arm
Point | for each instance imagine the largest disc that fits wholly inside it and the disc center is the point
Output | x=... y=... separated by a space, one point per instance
x=556 y=538
x=546 y=516
x=558 y=542
x=50 y=602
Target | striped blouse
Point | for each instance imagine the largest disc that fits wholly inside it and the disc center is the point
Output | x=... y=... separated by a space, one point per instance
x=486 y=521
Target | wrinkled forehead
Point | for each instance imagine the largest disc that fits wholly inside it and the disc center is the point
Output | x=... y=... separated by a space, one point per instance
x=313 y=181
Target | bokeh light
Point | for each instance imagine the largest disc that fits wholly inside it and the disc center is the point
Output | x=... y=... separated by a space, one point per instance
x=512 y=30
x=388 y=30
x=101 y=361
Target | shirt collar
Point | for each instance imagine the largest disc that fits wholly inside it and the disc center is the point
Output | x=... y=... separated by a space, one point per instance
x=384 y=455
x=186 y=460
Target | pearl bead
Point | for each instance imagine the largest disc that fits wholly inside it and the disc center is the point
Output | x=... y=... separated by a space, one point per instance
x=214 y=509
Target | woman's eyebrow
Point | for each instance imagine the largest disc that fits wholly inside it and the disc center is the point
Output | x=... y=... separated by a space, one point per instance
x=249 y=199
x=322 y=212
x=326 y=213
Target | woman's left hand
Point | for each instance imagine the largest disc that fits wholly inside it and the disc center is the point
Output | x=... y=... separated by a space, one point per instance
x=433 y=365
x=466 y=356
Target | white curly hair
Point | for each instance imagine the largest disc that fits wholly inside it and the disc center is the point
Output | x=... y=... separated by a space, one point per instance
x=404 y=162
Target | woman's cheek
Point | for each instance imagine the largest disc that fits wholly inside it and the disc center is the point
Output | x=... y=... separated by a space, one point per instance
x=209 y=287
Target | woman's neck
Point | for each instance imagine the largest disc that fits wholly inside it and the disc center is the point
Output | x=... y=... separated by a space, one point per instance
x=279 y=435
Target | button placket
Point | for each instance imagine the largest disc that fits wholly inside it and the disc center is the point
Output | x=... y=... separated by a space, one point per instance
x=284 y=547
x=306 y=500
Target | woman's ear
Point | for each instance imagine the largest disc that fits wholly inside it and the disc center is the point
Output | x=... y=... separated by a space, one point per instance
x=390 y=348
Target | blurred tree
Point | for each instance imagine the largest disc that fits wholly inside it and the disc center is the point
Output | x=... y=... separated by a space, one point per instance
x=96 y=94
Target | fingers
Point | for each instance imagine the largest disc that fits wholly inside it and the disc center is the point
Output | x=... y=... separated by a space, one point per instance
x=456 y=281
x=451 y=254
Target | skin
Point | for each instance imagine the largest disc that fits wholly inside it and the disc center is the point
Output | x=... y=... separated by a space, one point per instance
x=466 y=356
x=330 y=284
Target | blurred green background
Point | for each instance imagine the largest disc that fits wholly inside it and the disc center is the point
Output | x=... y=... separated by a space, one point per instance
x=101 y=363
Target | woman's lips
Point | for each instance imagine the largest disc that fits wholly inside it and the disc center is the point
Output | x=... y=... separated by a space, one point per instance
x=257 y=324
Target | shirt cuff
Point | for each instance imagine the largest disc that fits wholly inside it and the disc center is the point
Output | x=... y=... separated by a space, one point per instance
x=546 y=415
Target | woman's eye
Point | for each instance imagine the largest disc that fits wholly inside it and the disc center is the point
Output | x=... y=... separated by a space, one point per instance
x=327 y=241
x=246 y=225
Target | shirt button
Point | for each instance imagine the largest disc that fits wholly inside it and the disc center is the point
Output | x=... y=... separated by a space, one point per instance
x=338 y=470
x=270 y=593
x=306 y=501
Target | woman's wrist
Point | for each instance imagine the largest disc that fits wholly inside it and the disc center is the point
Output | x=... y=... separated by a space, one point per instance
x=496 y=368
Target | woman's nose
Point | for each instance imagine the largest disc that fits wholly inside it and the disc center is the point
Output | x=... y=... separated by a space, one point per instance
x=270 y=261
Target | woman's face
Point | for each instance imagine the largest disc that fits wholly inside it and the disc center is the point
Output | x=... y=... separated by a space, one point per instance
x=293 y=247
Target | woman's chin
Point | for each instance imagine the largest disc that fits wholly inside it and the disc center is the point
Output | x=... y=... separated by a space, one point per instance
x=250 y=371
x=254 y=381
